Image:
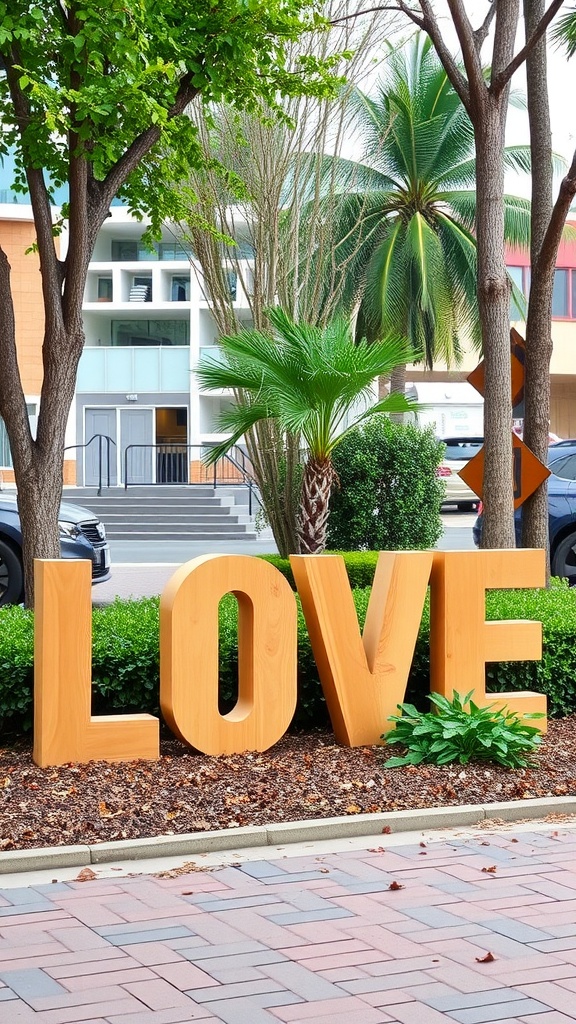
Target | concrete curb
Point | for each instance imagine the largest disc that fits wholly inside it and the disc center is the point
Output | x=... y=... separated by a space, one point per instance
x=316 y=830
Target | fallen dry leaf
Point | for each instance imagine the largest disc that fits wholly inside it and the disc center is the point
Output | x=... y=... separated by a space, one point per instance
x=491 y=870
x=394 y=886
x=485 y=959
x=376 y=849
x=86 y=875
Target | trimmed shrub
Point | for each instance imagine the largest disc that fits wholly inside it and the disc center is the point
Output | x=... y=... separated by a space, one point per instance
x=125 y=669
x=388 y=495
x=360 y=566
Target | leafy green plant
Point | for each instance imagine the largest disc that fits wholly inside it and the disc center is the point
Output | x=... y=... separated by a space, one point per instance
x=388 y=496
x=462 y=731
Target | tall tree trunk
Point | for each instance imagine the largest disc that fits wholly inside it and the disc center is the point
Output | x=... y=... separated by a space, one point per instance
x=538 y=324
x=494 y=311
x=275 y=460
x=315 y=506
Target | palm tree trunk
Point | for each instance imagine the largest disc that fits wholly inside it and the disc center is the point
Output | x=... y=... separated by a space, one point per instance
x=398 y=383
x=315 y=506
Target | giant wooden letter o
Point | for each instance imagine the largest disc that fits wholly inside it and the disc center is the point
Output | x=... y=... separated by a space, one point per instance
x=267 y=654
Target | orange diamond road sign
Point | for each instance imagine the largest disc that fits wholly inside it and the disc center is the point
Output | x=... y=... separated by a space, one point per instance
x=527 y=471
x=517 y=357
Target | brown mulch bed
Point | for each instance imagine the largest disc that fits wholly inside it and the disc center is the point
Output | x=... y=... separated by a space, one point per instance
x=303 y=776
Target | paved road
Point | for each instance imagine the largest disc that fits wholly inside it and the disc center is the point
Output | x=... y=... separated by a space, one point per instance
x=474 y=929
x=142 y=569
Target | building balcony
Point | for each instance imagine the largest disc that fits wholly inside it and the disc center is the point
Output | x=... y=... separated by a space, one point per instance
x=133 y=370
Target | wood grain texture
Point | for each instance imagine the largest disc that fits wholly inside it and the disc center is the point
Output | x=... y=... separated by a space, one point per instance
x=64 y=729
x=461 y=641
x=363 y=676
x=267 y=654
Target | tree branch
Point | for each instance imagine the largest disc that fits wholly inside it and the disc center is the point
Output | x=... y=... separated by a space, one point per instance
x=51 y=267
x=12 y=400
x=106 y=190
x=470 y=54
x=501 y=80
x=549 y=248
x=400 y=8
x=481 y=33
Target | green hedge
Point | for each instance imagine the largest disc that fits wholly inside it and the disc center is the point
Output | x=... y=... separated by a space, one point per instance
x=125 y=656
x=360 y=566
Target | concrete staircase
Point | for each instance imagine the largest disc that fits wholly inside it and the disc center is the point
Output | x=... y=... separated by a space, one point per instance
x=195 y=512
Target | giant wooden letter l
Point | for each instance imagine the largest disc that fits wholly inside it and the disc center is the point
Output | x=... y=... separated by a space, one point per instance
x=64 y=729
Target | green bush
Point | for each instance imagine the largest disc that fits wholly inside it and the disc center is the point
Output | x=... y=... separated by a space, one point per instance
x=125 y=656
x=462 y=732
x=388 y=495
x=360 y=566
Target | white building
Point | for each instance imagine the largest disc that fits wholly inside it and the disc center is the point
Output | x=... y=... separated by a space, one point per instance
x=147 y=323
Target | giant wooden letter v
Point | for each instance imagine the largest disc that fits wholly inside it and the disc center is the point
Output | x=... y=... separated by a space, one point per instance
x=364 y=677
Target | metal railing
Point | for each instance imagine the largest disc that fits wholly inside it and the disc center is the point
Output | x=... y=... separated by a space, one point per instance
x=149 y=464
x=100 y=438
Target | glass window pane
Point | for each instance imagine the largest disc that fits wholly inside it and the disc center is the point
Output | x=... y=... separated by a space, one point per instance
x=150 y=332
x=5 y=453
x=565 y=467
x=124 y=250
x=517 y=311
x=560 y=293
x=180 y=289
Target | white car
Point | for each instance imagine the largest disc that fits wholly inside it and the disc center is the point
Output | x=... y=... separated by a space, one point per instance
x=459 y=450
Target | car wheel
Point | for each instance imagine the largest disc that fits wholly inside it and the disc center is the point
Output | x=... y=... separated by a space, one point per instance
x=564 y=557
x=11 y=575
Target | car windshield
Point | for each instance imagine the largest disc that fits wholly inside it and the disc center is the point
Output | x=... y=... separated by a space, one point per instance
x=461 y=449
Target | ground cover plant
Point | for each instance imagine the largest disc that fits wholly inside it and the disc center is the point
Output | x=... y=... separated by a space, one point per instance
x=459 y=730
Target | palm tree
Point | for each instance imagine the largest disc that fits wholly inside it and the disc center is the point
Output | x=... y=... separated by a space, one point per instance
x=315 y=383
x=417 y=272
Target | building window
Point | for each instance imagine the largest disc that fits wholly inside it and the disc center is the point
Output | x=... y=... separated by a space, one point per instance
x=560 y=294
x=180 y=289
x=5 y=453
x=104 y=289
x=132 y=250
x=149 y=332
x=563 y=292
x=517 y=307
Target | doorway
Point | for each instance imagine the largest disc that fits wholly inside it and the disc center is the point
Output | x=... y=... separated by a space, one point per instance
x=171 y=446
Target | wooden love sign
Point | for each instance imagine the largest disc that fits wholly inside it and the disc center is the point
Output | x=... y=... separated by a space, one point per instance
x=363 y=676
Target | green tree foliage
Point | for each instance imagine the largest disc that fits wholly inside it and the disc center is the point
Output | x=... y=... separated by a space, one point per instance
x=387 y=495
x=314 y=382
x=101 y=82
x=93 y=95
x=417 y=269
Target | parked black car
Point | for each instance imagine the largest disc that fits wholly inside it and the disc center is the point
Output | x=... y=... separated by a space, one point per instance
x=561 y=510
x=82 y=535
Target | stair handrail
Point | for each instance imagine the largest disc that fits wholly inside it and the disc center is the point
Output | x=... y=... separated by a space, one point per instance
x=247 y=479
x=101 y=437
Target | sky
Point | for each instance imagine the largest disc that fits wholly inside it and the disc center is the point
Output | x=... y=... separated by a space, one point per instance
x=562 y=89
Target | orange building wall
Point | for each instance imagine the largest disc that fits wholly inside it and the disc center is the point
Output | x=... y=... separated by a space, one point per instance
x=15 y=237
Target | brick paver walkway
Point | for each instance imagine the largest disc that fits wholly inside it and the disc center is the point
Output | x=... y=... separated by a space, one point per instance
x=316 y=939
